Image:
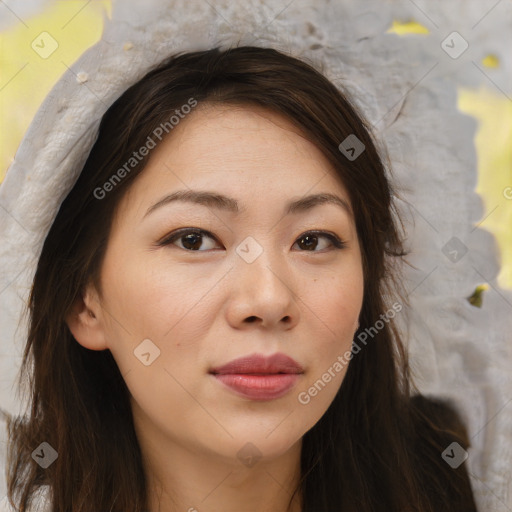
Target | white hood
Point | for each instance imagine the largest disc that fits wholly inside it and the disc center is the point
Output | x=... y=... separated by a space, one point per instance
x=407 y=89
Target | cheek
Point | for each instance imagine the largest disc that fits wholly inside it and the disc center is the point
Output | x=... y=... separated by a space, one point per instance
x=147 y=300
x=337 y=303
x=336 y=306
x=142 y=293
x=343 y=305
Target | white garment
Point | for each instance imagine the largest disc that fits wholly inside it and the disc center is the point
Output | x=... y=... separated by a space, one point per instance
x=40 y=503
x=406 y=87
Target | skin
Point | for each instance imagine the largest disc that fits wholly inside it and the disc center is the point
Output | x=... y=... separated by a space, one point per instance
x=205 y=308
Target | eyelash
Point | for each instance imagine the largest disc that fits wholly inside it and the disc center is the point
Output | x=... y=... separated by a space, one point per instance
x=176 y=235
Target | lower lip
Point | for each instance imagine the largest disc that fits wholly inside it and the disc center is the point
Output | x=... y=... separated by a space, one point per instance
x=259 y=387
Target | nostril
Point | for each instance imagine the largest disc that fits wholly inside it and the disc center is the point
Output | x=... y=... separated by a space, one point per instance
x=251 y=319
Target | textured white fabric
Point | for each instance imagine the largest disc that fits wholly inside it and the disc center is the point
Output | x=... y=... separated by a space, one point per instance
x=406 y=87
x=12 y=11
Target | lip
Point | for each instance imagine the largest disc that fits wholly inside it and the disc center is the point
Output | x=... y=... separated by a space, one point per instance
x=259 y=377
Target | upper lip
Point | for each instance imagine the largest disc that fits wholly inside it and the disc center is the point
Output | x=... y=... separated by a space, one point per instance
x=277 y=363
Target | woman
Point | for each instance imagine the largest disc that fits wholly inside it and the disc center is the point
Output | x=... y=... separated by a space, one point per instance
x=265 y=373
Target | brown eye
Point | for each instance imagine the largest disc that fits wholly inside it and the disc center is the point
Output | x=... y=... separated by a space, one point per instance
x=310 y=241
x=193 y=240
x=190 y=239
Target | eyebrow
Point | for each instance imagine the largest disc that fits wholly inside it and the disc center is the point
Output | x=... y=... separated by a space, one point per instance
x=222 y=202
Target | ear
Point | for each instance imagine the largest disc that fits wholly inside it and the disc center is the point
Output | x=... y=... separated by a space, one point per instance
x=85 y=320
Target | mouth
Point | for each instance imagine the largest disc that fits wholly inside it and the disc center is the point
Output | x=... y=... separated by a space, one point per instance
x=259 y=377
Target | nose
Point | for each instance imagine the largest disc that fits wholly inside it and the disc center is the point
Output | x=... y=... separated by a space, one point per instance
x=263 y=294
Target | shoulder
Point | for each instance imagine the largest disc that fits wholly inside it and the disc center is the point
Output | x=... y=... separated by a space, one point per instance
x=440 y=444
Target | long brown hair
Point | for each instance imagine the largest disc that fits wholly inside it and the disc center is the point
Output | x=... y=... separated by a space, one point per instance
x=374 y=449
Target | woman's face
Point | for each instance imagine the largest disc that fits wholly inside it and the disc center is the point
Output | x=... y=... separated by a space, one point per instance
x=177 y=306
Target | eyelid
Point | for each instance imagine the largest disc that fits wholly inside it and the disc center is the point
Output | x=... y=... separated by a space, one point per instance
x=333 y=237
x=168 y=239
x=171 y=237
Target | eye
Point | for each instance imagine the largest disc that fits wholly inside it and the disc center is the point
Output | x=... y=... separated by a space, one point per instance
x=191 y=239
x=309 y=241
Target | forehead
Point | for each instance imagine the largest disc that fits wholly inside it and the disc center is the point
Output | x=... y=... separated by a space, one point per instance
x=237 y=131
x=244 y=151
